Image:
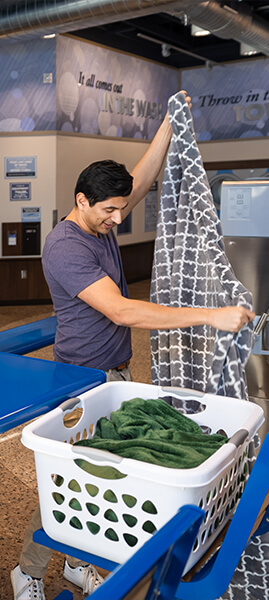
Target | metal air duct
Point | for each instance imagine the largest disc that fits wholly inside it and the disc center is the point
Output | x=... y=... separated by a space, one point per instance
x=226 y=23
x=33 y=18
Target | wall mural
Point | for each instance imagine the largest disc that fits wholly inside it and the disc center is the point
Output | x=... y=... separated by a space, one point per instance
x=230 y=101
x=103 y=92
x=27 y=86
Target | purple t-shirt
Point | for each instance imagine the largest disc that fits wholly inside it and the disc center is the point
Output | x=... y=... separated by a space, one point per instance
x=72 y=260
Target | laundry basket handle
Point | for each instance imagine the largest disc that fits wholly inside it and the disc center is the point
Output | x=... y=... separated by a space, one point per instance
x=239 y=437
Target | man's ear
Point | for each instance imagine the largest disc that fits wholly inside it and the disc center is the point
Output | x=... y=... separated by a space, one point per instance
x=82 y=201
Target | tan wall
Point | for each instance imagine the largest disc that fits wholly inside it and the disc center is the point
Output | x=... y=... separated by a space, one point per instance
x=43 y=187
x=61 y=157
x=75 y=153
x=235 y=150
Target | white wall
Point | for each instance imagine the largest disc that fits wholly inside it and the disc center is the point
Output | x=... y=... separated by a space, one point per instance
x=43 y=187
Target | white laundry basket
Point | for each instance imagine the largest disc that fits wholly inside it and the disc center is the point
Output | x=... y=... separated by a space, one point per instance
x=107 y=505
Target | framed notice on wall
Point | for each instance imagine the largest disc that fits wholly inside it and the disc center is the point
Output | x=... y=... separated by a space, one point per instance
x=20 y=166
x=20 y=191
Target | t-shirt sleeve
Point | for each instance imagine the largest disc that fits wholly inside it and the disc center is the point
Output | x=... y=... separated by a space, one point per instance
x=73 y=265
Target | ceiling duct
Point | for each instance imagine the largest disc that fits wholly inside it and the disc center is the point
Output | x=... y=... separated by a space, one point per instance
x=32 y=18
x=29 y=18
x=224 y=22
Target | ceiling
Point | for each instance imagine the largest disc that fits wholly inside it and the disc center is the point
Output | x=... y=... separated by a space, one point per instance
x=171 y=40
x=158 y=30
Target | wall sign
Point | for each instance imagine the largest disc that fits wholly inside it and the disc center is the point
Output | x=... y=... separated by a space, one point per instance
x=229 y=101
x=20 y=166
x=31 y=215
x=103 y=92
x=20 y=191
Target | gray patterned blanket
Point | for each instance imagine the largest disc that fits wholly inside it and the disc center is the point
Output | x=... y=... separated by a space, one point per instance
x=190 y=268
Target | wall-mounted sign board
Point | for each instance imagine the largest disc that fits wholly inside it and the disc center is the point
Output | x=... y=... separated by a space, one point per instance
x=20 y=191
x=20 y=166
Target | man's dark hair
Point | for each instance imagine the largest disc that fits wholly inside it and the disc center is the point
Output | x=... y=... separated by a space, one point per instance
x=104 y=179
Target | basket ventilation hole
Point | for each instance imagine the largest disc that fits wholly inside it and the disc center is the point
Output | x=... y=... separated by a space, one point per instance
x=131 y=540
x=110 y=534
x=148 y=527
x=74 y=486
x=209 y=531
x=75 y=522
x=214 y=493
x=92 y=508
x=195 y=545
x=224 y=498
x=93 y=527
x=203 y=536
x=130 y=501
x=231 y=474
x=78 y=436
x=110 y=515
x=75 y=504
x=206 y=516
x=92 y=489
x=221 y=484
x=71 y=419
x=216 y=524
x=212 y=511
x=149 y=507
x=130 y=520
x=201 y=503
x=208 y=497
x=226 y=481
x=59 y=498
x=84 y=435
x=110 y=496
x=219 y=503
x=58 y=515
x=91 y=428
x=57 y=479
x=71 y=441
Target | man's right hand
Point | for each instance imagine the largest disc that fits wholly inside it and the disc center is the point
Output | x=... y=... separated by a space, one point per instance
x=230 y=318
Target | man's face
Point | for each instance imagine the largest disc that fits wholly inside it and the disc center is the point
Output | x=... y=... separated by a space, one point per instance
x=101 y=217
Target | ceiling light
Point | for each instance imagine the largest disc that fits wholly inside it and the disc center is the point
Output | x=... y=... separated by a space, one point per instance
x=49 y=35
x=198 y=31
x=166 y=50
x=246 y=50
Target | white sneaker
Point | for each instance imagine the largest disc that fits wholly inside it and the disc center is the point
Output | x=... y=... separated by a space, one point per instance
x=85 y=577
x=25 y=587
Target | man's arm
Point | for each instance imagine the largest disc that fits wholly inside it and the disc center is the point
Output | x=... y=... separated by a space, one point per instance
x=148 y=168
x=105 y=296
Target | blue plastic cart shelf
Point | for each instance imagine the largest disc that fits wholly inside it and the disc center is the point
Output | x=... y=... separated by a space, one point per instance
x=30 y=387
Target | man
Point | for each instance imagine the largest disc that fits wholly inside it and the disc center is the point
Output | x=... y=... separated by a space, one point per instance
x=82 y=265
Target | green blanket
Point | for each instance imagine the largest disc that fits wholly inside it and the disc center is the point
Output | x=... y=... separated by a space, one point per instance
x=154 y=432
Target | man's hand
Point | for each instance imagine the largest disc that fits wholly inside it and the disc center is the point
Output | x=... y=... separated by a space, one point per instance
x=230 y=318
x=187 y=98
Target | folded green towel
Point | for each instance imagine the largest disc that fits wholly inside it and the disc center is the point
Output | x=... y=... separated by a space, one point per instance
x=154 y=432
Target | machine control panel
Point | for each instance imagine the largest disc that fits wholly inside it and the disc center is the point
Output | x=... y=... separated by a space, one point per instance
x=244 y=209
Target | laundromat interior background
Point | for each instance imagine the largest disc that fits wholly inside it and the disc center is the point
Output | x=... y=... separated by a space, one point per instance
x=51 y=127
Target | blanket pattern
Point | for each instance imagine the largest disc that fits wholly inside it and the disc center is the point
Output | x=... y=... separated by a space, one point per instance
x=190 y=268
